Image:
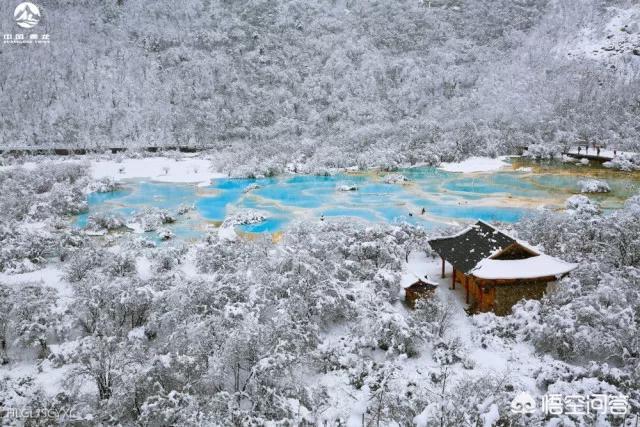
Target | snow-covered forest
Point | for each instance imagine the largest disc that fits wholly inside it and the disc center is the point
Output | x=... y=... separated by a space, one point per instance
x=337 y=82
x=307 y=329
x=120 y=321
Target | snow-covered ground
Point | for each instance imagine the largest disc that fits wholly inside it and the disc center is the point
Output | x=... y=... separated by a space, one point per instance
x=49 y=378
x=365 y=335
x=619 y=36
x=50 y=276
x=187 y=169
x=464 y=327
x=418 y=267
x=162 y=169
x=476 y=164
x=516 y=361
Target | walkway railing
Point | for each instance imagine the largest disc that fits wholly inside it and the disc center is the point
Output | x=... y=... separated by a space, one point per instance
x=597 y=153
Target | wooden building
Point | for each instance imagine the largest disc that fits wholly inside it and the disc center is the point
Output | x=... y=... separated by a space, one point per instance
x=417 y=287
x=495 y=269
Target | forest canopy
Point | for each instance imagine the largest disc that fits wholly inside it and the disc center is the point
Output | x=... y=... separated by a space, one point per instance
x=406 y=80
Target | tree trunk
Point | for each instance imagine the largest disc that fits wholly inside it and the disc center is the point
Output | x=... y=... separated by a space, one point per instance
x=44 y=349
x=104 y=388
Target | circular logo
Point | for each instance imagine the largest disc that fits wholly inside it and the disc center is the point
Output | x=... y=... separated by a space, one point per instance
x=27 y=15
x=523 y=403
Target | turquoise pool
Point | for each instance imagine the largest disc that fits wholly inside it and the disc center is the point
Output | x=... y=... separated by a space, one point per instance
x=446 y=197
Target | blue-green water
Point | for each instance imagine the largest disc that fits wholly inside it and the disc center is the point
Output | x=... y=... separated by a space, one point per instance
x=504 y=196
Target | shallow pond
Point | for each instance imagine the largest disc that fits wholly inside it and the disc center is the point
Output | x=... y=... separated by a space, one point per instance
x=505 y=195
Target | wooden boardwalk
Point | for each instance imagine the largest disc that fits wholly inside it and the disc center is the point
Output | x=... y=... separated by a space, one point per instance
x=603 y=155
x=591 y=157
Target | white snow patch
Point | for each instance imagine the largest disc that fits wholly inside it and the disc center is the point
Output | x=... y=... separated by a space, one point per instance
x=227 y=232
x=162 y=169
x=395 y=178
x=627 y=162
x=347 y=188
x=48 y=276
x=416 y=269
x=164 y=234
x=159 y=169
x=581 y=204
x=594 y=186
x=618 y=37
x=50 y=380
x=143 y=268
x=245 y=216
x=241 y=217
x=251 y=187
x=476 y=164
x=491 y=417
x=137 y=333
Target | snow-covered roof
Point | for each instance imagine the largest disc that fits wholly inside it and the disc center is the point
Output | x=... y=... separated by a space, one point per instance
x=409 y=279
x=475 y=249
x=465 y=249
x=529 y=268
x=416 y=270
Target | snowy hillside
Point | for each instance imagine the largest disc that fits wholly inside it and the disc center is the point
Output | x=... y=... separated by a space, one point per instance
x=616 y=39
x=328 y=84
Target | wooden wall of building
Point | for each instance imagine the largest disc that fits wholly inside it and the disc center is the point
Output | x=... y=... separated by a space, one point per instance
x=499 y=296
x=507 y=296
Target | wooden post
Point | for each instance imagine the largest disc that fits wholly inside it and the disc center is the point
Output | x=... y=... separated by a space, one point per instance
x=442 y=267
x=453 y=279
x=466 y=286
x=481 y=291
